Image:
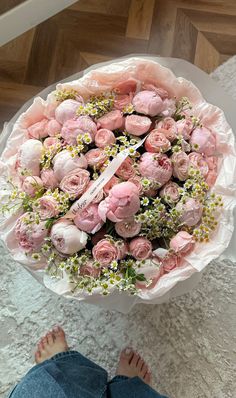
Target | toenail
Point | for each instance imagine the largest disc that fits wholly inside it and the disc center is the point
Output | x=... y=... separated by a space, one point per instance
x=128 y=351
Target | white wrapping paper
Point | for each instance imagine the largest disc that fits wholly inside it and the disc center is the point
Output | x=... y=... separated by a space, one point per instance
x=101 y=78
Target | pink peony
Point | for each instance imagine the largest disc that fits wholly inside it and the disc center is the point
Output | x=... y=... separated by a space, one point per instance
x=140 y=248
x=29 y=156
x=72 y=128
x=67 y=238
x=182 y=243
x=88 y=219
x=75 y=183
x=168 y=127
x=49 y=179
x=47 y=207
x=170 y=192
x=104 y=138
x=63 y=163
x=157 y=142
x=38 y=130
x=191 y=211
x=113 y=181
x=156 y=167
x=197 y=161
x=121 y=101
x=30 y=235
x=123 y=202
x=128 y=228
x=126 y=169
x=137 y=125
x=185 y=128
x=112 y=120
x=89 y=269
x=211 y=177
x=203 y=141
x=180 y=162
x=31 y=185
x=126 y=86
x=96 y=157
x=66 y=110
x=105 y=252
x=53 y=127
x=148 y=103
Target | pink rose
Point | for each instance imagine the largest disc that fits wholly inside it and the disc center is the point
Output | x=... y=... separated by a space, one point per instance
x=31 y=185
x=156 y=167
x=105 y=252
x=72 y=128
x=38 y=130
x=113 y=181
x=51 y=141
x=185 y=128
x=29 y=235
x=211 y=177
x=168 y=127
x=47 y=207
x=140 y=248
x=29 y=156
x=49 y=179
x=89 y=269
x=180 y=162
x=96 y=157
x=112 y=120
x=63 y=163
x=122 y=202
x=75 y=183
x=152 y=274
x=137 y=125
x=53 y=127
x=158 y=90
x=170 y=192
x=121 y=101
x=88 y=219
x=198 y=162
x=126 y=86
x=157 y=142
x=126 y=169
x=191 y=211
x=104 y=138
x=128 y=228
x=66 y=110
x=203 y=141
x=182 y=243
x=67 y=238
x=167 y=260
x=148 y=103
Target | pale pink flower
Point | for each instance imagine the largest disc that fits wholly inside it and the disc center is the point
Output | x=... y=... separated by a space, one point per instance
x=170 y=192
x=182 y=243
x=123 y=202
x=157 y=142
x=156 y=167
x=169 y=107
x=140 y=248
x=113 y=181
x=104 y=137
x=63 y=163
x=82 y=125
x=128 y=228
x=105 y=252
x=185 y=128
x=203 y=141
x=29 y=156
x=168 y=127
x=53 y=127
x=38 y=130
x=89 y=269
x=47 y=207
x=137 y=125
x=191 y=211
x=88 y=219
x=198 y=162
x=49 y=179
x=66 y=110
x=67 y=238
x=112 y=120
x=148 y=103
x=51 y=141
x=31 y=185
x=126 y=169
x=75 y=183
x=30 y=236
x=180 y=162
x=96 y=157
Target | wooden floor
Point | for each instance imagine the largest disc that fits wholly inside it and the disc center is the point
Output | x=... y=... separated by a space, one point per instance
x=200 y=31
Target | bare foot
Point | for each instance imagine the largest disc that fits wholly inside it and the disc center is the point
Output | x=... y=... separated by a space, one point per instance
x=51 y=344
x=131 y=364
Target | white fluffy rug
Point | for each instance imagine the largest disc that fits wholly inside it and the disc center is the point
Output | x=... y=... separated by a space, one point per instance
x=189 y=343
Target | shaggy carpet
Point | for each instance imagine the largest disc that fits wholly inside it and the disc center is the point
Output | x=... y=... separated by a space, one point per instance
x=189 y=342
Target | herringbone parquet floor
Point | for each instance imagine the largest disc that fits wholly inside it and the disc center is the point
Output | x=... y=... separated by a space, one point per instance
x=202 y=32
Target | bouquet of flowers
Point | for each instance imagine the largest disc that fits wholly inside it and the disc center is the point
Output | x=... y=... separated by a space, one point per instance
x=117 y=182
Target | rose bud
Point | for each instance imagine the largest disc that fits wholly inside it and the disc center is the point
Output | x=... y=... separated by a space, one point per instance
x=140 y=248
x=66 y=110
x=148 y=103
x=182 y=243
x=156 y=167
x=112 y=120
x=157 y=142
x=191 y=211
x=104 y=138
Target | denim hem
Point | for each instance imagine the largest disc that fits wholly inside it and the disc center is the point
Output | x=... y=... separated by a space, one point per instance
x=63 y=354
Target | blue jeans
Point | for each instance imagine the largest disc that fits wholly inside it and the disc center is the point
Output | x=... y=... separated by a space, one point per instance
x=71 y=375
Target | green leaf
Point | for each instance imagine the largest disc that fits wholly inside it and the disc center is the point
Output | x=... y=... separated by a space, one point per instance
x=49 y=222
x=141 y=277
